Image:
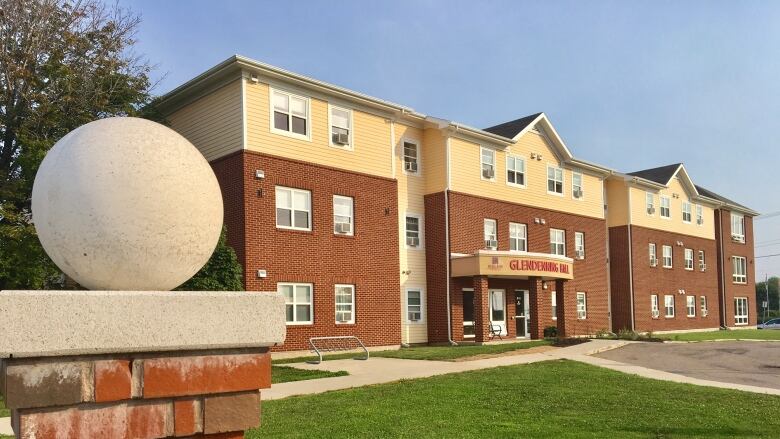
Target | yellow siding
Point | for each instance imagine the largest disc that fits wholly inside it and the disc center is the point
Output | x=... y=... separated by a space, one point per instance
x=617 y=202
x=466 y=177
x=411 y=189
x=640 y=217
x=371 y=137
x=212 y=123
x=434 y=161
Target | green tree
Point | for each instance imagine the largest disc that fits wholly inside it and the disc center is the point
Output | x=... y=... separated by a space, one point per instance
x=774 y=297
x=63 y=63
x=221 y=273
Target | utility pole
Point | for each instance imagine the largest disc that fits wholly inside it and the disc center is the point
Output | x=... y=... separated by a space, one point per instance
x=766 y=288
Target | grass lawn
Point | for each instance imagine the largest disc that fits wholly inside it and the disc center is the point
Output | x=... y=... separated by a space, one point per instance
x=282 y=374
x=548 y=399
x=4 y=412
x=733 y=334
x=441 y=353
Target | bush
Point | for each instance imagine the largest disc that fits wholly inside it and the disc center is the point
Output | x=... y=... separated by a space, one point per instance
x=551 y=332
x=604 y=333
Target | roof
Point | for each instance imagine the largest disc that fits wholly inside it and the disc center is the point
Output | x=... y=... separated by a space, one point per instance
x=513 y=127
x=660 y=175
x=709 y=194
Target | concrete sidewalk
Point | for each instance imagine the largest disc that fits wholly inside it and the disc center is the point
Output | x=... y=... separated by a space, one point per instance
x=379 y=370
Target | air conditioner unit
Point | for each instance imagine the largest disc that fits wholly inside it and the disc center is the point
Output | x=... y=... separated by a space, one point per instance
x=410 y=166
x=577 y=193
x=491 y=243
x=413 y=241
x=340 y=138
x=414 y=318
x=703 y=267
x=736 y=238
x=656 y=314
x=579 y=254
x=488 y=173
x=343 y=228
x=699 y=221
x=653 y=262
x=704 y=313
x=651 y=210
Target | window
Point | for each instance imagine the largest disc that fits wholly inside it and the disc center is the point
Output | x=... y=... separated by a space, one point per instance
x=411 y=157
x=688 y=259
x=740 y=310
x=579 y=245
x=343 y=215
x=557 y=242
x=576 y=186
x=491 y=239
x=345 y=304
x=515 y=171
x=554 y=303
x=413 y=231
x=649 y=203
x=488 y=160
x=737 y=227
x=554 y=180
x=669 y=305
x=686 y=212
x=703 y=303
x=653 y=256
x=654 y=312
x=702 y=262
x=293 y=208
x=699 y=215
x=518 y=237
x=340 y=127
x=690 y=305
x=666 y=211
x=298 y=303
x=740 y=270
x=582 y=306
x=291 y=113
x=667 y=249
x=414 y=306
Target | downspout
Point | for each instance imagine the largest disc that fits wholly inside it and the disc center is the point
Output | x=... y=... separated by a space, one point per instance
x=630 y=262
x=447 y=242
x=722 y=268
x=609 y=256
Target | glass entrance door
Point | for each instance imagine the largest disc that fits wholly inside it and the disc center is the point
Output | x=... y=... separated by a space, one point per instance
x=498 y=309
x=522 y=314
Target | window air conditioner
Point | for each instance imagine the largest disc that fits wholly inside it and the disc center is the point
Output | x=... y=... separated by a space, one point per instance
x=656 y=314
x=578 y=193
x=651 y=210
x=343 y=228
x=413 y=241
x=410 y=166
x=699 y=221
x=491 y=243
x=653 y=262
x=580 y=254
x=341 y=138
x=703 y=267
x=488 y=173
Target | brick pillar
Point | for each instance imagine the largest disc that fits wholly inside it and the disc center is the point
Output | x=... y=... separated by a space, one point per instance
x=511 y=311
x=481 y=308
x=540 y=307
x=138 y=395
x=566 y=301
x=456 y=306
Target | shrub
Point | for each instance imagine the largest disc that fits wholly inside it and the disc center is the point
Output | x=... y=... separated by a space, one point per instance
x=551 y=332
x=604 y=333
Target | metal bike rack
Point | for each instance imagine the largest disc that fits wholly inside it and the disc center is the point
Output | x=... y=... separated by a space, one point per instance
x=336 y=344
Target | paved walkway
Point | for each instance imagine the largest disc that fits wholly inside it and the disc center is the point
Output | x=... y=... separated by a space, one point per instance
x=5 y=427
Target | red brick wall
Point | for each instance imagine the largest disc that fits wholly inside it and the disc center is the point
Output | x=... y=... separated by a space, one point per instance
x=649 y=280
x=369 y=259
x=230 y=174
x=436 y=260
x=747 y=250
x=620 y=279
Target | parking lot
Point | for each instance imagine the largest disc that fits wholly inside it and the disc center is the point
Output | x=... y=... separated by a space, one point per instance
x=740 y=362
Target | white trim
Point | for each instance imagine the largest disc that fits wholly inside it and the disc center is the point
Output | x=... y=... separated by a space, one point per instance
x=556 y=242
x=485 y=236
x=511 y=253
x=404 y=140
x=688 y=305
x=686 y=252
x=683 y=203
x=655 y=310
x=482 y=163
x=244 y=138
x=582 y=185
x=525 y=172
x=661 y=207
x=734 y=273
x=584 y=314
x=746 y=316
x=350 y=146
x=503 y=322
x=582 y=235
x=274 y=130
x=448 y=169
x=422 y=306
x=392 y=148
x=351 y=214
x=554 y=304
x=663 y=256
x=352 y=304
x=292 y=209
x=652 y=200
x=666 y=307
x=294 y=303
x=421 y=231
x=524 y=239
x=563 y=180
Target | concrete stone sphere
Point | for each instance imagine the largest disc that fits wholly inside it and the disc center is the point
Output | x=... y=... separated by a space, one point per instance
x=127 y=204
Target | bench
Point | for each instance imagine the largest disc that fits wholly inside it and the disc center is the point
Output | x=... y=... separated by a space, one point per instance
x=495 y=331
x=336 y=344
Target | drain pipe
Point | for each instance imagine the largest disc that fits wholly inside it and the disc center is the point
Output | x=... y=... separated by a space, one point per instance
x=447 y=241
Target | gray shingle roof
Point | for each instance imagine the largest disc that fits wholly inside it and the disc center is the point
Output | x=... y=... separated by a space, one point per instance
x=709 y=194
x=661 y=174
x=513 y=127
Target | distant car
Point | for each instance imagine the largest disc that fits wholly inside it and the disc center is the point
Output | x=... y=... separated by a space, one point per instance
x=770 y=324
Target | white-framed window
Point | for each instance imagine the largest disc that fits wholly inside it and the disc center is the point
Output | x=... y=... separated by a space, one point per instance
x=298 y=302
x=491 y=234
x=703 y=303
x=740 y=310
x=739 y=275
x=649 y=203
x=293 y=208
x=414 y=231
x=654 y=311
x=699 y=214
x=340 y=127
x=737 y=227
x=669 y=305
x=518 y=237
x=345 y=304
x=414 y=305
x=557 y=242
x=667 y=256
x=488 y=163
x=411 y=157
x=554 y=180
x=343 y=215
x=582 y=306
x=290 y=114
x=515 y=171
x=686 y=212
x=577 y=189
x=653 y=255
x=688 y=259
x=554 y=304
x=690 y=306
x=702 y=261
x=579 y=245
x=666 y=207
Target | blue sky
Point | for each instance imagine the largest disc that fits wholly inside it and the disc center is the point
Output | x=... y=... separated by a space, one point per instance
x=629 y=85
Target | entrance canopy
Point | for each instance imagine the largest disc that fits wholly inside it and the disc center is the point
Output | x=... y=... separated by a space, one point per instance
x=511 y=264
